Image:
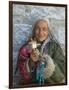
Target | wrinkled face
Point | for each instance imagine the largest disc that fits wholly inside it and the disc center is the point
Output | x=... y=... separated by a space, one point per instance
x=41 y=31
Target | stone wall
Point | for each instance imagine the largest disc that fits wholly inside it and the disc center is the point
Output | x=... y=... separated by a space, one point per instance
x=24 y=17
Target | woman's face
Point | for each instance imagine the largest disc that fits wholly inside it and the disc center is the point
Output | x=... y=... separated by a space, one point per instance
x=41 y=31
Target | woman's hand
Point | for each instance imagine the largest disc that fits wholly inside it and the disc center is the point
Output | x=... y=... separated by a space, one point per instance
x=34 y=55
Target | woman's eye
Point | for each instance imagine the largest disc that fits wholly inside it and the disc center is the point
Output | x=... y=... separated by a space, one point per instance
x=44 y=29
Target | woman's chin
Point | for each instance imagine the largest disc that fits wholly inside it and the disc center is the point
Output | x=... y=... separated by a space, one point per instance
x=41 y=39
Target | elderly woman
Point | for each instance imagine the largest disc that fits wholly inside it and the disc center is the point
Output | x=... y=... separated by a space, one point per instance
x=50 y=51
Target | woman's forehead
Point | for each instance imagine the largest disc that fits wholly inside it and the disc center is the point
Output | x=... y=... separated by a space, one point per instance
x=42 y=24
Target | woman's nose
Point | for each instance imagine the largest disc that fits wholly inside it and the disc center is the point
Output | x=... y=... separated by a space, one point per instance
x=41 y=31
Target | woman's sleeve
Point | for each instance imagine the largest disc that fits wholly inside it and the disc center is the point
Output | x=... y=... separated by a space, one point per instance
x=22 y=64
x=59 y=59
x=49 y=67
x=55 y=66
